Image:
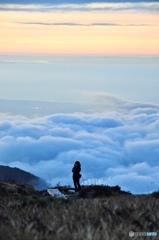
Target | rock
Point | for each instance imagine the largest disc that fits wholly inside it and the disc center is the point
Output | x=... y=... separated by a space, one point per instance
x=56 y=193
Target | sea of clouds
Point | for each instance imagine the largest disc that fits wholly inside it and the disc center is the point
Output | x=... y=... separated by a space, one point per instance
x=114 y=148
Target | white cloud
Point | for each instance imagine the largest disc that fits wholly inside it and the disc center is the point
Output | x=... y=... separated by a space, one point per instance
x=117 y=148
x=100 y=6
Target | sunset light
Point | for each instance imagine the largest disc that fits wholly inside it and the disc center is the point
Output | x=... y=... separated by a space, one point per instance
x=72 y=29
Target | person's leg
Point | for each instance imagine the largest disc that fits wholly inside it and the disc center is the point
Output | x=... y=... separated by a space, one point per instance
x=78 y=184
x=75 y=183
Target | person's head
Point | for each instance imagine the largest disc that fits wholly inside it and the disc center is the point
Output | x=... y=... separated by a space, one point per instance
x=77 y=163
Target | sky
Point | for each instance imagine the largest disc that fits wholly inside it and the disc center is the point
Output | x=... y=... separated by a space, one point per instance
x=81 y=78
x=75 y=27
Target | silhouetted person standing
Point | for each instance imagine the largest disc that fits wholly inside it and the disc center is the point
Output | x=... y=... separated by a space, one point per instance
x=76 y=175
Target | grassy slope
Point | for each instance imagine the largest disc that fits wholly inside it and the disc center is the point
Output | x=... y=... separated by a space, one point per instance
x=34 y=217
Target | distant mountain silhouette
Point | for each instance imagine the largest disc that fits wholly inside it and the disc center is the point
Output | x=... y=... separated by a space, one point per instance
x=22 y=177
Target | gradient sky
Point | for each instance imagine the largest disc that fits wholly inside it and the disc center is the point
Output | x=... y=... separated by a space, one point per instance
x=79 y=28
x=33 y=33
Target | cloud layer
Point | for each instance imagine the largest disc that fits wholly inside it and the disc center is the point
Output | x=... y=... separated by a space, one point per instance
x=69 y=1
x=116 y=148
x=74 y=24
x=80 y=6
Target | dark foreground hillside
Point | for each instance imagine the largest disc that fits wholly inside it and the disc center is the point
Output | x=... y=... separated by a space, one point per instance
x=26 y=214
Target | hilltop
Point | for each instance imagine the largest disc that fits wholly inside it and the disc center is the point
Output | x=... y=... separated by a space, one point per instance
x=99 y=212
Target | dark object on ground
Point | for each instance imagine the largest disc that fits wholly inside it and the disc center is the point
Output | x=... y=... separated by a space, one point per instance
x=95 y=191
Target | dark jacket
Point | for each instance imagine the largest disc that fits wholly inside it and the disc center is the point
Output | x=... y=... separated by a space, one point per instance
x=76 y=170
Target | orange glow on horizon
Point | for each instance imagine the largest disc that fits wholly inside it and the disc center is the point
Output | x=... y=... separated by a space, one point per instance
x=37 y=32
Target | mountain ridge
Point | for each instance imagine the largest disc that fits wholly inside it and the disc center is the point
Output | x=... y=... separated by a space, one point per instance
x=22 y=177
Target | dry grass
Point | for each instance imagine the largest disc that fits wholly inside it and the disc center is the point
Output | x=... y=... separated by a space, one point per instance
x=46 y=218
